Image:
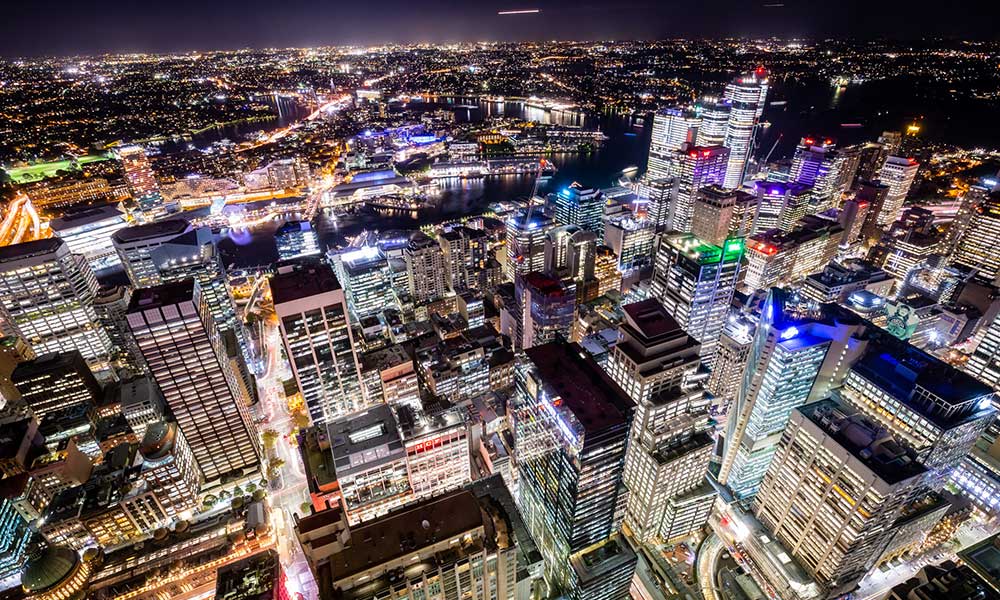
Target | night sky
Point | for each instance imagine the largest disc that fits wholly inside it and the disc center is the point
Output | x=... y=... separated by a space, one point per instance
x=62 y=27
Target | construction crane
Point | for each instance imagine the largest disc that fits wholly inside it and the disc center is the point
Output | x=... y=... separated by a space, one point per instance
x=534 y=190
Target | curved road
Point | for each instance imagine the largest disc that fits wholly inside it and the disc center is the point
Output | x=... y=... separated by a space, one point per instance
x=708 y=557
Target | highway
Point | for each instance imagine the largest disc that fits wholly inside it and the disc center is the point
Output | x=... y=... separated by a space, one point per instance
x=21 y=216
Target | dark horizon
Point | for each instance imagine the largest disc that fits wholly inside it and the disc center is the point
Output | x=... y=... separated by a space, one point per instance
x=67 y=28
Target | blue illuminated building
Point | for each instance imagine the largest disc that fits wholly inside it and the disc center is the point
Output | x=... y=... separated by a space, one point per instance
x=580 y=206
x=14 y=532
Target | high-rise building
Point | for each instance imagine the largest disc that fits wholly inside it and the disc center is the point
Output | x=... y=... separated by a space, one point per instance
x=174 y=331
x=168 y=468
x=465 y=253
x=87 y=233
x=142 y=184
x=694 y=168
x=909 y=242
x=48 y=294
x=657 y=194
x=295 y=239
x=547 y=309
x=714 y=114
x=135 y=245
x=437 y=450
x=317 y=337
x=570 y=423
x=426 y=269
x=672 y=127
x=897 y=173
x=391 y=369
x=836 y=485
x=798 y=352
x=984 y=364
x=364 y=274
x=872 y=194
x=526 y=243
x=781 y=205
x=775 y=257
x=746 y=96
x=56 y=381
x=721 y=214
x=670 y=443
x=695 y=281
x=580 y=206
x=631 y=240
x=976 y=248
x=731 y=358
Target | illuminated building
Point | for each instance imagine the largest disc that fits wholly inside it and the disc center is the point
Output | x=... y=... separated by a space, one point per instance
x=56 y=573
x=897 y=173
x=256 y=577
x=781 y=205
x=694 y=168
x=53 y=382
x=972 y=201
x=458 y=546
x=398 y=384
x=465 y=255
x=776 y=257
x=604 y=570
x=570 y=252
x=606 y=271
x=364 y=275
x=672 y=127
x=87 y=232
x=976 y=249
x=296 y=239
x=837 y=524
x=168 y=468
x=932 y=408
x=48 y=293
x=828 y=171
x=14 y=533
x=984 y=364
x=838 y=280
x=63 y=194
x=547 y=310
x=730 y=361
x=797 y=353
x=657 y=364
x=852 y=218
x=580 y=206
x=370 y=462
x=631 y=240
x=141 y=403
x=526 y=243
x=570 y=423
x=437 y=450
x=13 y=351
x=746 y=96
x=426 y=269
x=317 y=337
x=142 y=184
x=695 y=282
x=135 y=245
x=110 y=305
x=173 y=329
x=658 y=195
x=714 y=115
x=909 y=243
x=872 y=194
x=720 y=214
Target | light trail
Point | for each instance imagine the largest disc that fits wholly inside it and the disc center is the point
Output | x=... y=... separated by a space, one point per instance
x=526 y=11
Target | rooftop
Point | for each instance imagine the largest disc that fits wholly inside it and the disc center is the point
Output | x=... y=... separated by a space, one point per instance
x=30 y=249
x=79 y=218
x=304 y=280
x=158 y=296
x=150 y=231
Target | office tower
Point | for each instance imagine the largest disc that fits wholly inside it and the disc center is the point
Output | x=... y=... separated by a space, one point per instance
x=110 y=306
x=695 y=168
x=781 y=205
x=976 y=248
x=672 y=127
x=810 y=162
x=397 y=381
x=557 y=243
x=13 y=351
x=897 y=173
x=695 y=282
x=606 y=272
x=929 y=406
x=670 y=443
x=364 y=275
x=835 y=532
x=776 y=257
x=909 y=242
x=526 y=243
x=631 y=240
x=437 y=450
x=48 y=294
x=87 y=232
x=142 y=184
x=465 y=253
x=295 y=239
x=570 y=253
x=970 y=204
x=135 y=245
x=317 y=337
x=370 y=462
x=426 y=270
x=838 y=280
x=546 y=307
x=580 y=206
x=852 y=218
x=604 y=570
x=168 y=468
x=746 y=95
x=714 y=114
x=798 y=352
x=826 y=170
x=657 y=195
x=570 y=423
x=731 y=357
x=873 y=194
x=56 y=381
x=720 y=214
x=141 y=403
x=15 y=533
x=456 y=546
x=984 y=364
x=174 y=331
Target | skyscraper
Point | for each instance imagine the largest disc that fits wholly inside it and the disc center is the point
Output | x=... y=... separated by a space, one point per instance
x=976 y=248
x=174 y=332
x=694 y=168
x=695 y=282
x=56 y=381
x=135 y=245
x=547 y=308
x=797 y=351
x=672 y=127
x=426 y=269
x=836 y=485
x=48 y=294
x=746 y=95
x=570 y=423
x=656 y=363
x=720 y=214
x=317 y=337
x=714 y=113
x=526 y=242
x=580 y=206
x=897 y=173
x=141 y=181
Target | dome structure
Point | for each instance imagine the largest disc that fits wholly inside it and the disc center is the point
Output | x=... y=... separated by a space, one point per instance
x=51 y=568
x=158 y=441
